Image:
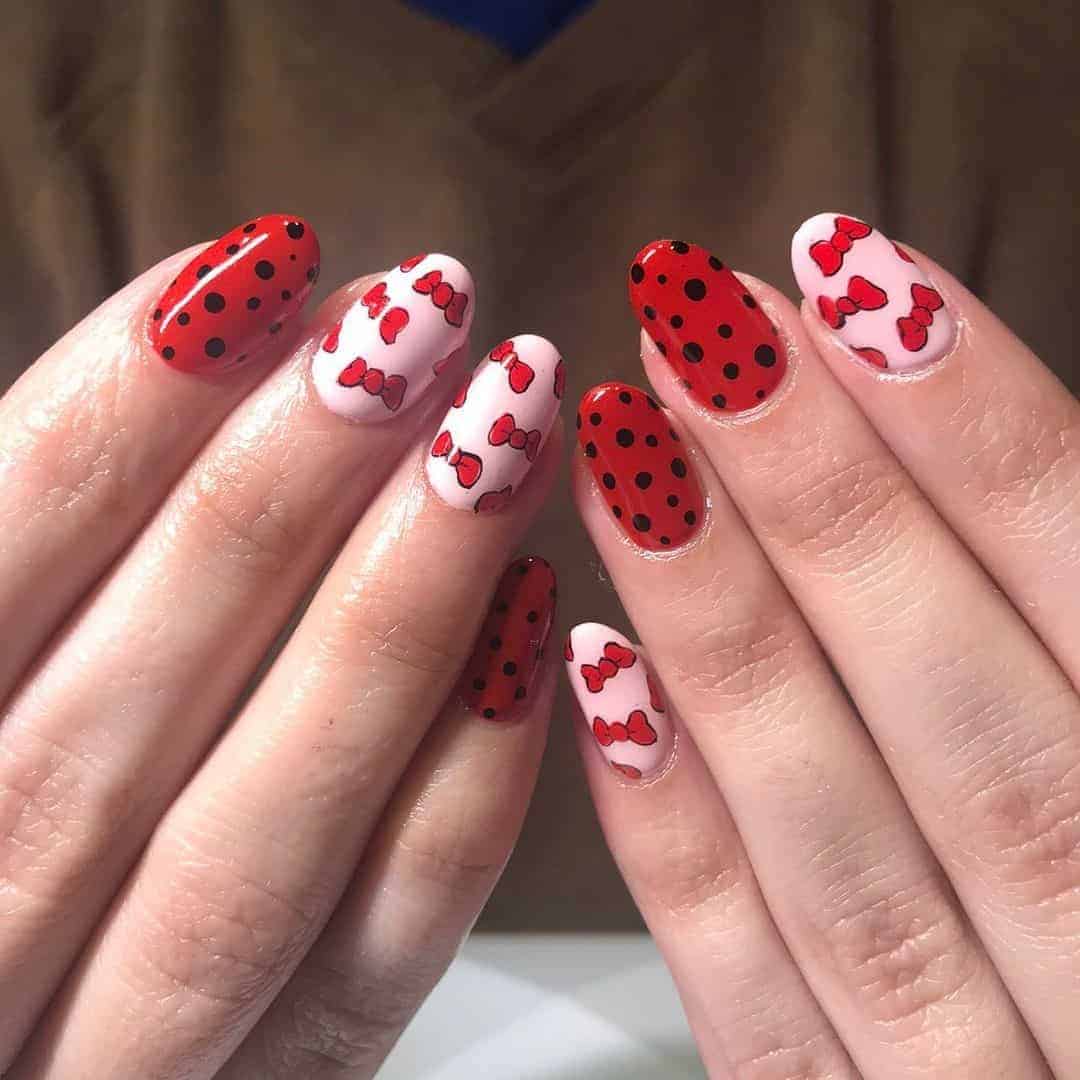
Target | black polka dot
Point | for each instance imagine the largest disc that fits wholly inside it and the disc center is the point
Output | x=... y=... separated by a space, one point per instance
x=652 y=403
x=624 y=397
x=673 y=500
x=286 y=294
x=509 y=668
x=695 y=289
x=661 y=348
x=479 y=684
x=678 y=467
x=665 y=540
x=183 y=318
x=617 y=511
x=608 y=480
x=264 y=269
x=689 y=517
x=662 y=278
x=489 y=713
x=594 y=419
x=203 y=271
x=651 y=440
x=715 y=263
x=214 y=302
x=242 y=357
x=673 y=433
x=502 y=606
x=643 y=479
x=676 y=321
x=650 y=312
x=731 y=371
x=253 y=303
x=686 y=384
x=724 y=330
x=168 y=352
x=295 y=230
x=214 y=347
x=641 y=522
x=759 y=394
x=624 y=437
x=249 y=227
x=292 y=257
x=232 y=249
x=590 y=449
x=519 y=693
x=312 y=274
x=157 y=313
x=749 y=301
x=765 y=355
x=680 y=247
x=693 y=352
x=495 y=642
x=637 y=273
x=719 y=401
x=532 y=616
x=275 y=327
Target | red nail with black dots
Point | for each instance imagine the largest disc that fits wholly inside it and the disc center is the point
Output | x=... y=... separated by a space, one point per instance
x=233 y=297
x=507 y=656
x=707 y=326
x=640 y=466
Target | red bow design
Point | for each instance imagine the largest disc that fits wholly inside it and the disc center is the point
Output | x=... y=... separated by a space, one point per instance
x=391 y=388
x=829 y=254
x=560 y=379
x=616 y=657
x=521 y=375
x=655 y=700
x=462 y=394
x=637 y=730
x=872 y=356
x=330 y=342
x=627 y=770
x=568 y=649
x=467 y=466
x=443 y=295
x=394 y=321
x=411 y=264
x=925 y=301
x=862 y=295
x=505 y=430
x=375 y=300
x=493 y=500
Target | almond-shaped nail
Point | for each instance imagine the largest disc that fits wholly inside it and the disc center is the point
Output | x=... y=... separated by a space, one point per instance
x=497 y=425
x=500 y=673
x=394 y=341
x=870 y=293
x=640 y=466
x=235 y=295
x=620 y=700
x=707 y=326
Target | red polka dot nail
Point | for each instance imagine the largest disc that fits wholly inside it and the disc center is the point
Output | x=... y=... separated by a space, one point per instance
x=235 y=295
x=707 y=326
x=640 y=466
x=507 y=655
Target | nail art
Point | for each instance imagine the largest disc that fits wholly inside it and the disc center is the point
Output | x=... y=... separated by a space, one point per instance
x=395 y=340
x=640 y=466
x=619 y=700
x=507 y=657
x=870 y=293
x=498 y=424
x=234 y=296
x=707 y=326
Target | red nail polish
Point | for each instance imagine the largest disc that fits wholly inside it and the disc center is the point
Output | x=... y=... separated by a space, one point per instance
x=501 y=671
x=640 y=465
x=706 y=325
x=234 y=296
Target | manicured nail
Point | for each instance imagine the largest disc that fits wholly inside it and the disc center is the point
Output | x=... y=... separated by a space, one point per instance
x=498 y=424
x=870 y=293
x=619 y=699
x=640 y=466
x=507 y=657
x=233 y=297
x=707 y=326
x=394 y=341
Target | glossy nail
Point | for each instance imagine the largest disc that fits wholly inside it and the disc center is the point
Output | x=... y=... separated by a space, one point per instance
x=233 y=297
x=507 y=656
x=870 y=293
x=640 y=466
x=619 y=700
x=395 y=340
x=497 y=425
x=707 y=326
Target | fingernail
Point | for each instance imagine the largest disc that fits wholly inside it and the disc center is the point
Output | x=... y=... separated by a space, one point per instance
x=394 y=341
x=501 y=672
x=497 y=425
x=870 y=293
x=640 y=466
x=619 y=699
x=233 y=297
x=707 y=326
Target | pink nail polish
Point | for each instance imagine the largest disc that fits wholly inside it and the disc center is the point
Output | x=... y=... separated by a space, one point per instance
x=394 y=341
x=619 y=699
x=870 y=293
x=497 y=425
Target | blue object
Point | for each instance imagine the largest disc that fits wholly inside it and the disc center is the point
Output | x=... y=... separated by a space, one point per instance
x=519 y=26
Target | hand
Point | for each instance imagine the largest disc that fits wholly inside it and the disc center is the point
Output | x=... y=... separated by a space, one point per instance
x=856 y=832
x=192 y=884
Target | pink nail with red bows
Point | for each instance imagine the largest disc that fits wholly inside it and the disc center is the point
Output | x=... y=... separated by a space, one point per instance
x=620 y=700
x=497 y=425
x=870 y=293
x=395 y=340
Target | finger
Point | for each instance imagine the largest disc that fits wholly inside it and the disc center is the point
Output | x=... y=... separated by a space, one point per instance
x=975 y=718
x=247 y=864
x=96 y=432
x=429 y=868
x=116 y=717
x=988 y=433
x=749 y=1007
x=864 y=908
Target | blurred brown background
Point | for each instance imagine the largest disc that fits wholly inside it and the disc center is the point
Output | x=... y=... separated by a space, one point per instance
x=134 y=129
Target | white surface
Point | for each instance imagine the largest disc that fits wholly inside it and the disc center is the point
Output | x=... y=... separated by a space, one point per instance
x=550 y=1007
